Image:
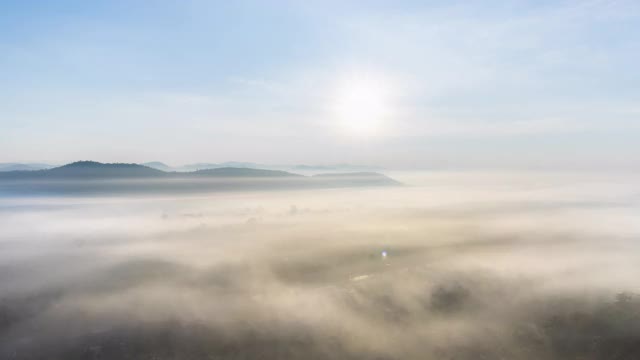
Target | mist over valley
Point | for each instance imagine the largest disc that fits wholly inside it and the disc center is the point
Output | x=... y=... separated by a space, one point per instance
x=449 y=266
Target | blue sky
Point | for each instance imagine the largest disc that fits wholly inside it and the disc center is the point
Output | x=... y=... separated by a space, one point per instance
x=409 y=84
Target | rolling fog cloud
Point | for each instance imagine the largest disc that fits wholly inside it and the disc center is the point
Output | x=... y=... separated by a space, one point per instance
x=464 y=266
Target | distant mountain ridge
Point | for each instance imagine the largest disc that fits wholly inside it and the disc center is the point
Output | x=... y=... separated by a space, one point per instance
x=92 y=176
x=93 y=169
x=23 y=166
x=243 y=172
x=158 y=166
x=249 y=165
x=203 y=166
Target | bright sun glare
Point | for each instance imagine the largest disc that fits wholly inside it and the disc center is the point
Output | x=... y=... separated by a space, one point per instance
x=362 y=104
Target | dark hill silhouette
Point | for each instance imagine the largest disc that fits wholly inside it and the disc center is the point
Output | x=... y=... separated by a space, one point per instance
x=86 y=170
x=93 y=169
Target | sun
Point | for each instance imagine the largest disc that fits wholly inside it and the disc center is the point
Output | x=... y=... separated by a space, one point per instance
x=362 y=104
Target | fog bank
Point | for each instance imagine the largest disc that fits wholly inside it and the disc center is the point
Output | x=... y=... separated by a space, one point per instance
x=452 y=266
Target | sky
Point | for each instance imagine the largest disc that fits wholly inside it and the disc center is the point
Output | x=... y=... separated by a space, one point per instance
x=398 y=84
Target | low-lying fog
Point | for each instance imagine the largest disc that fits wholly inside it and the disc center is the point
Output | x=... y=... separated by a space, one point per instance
x=451 y=266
